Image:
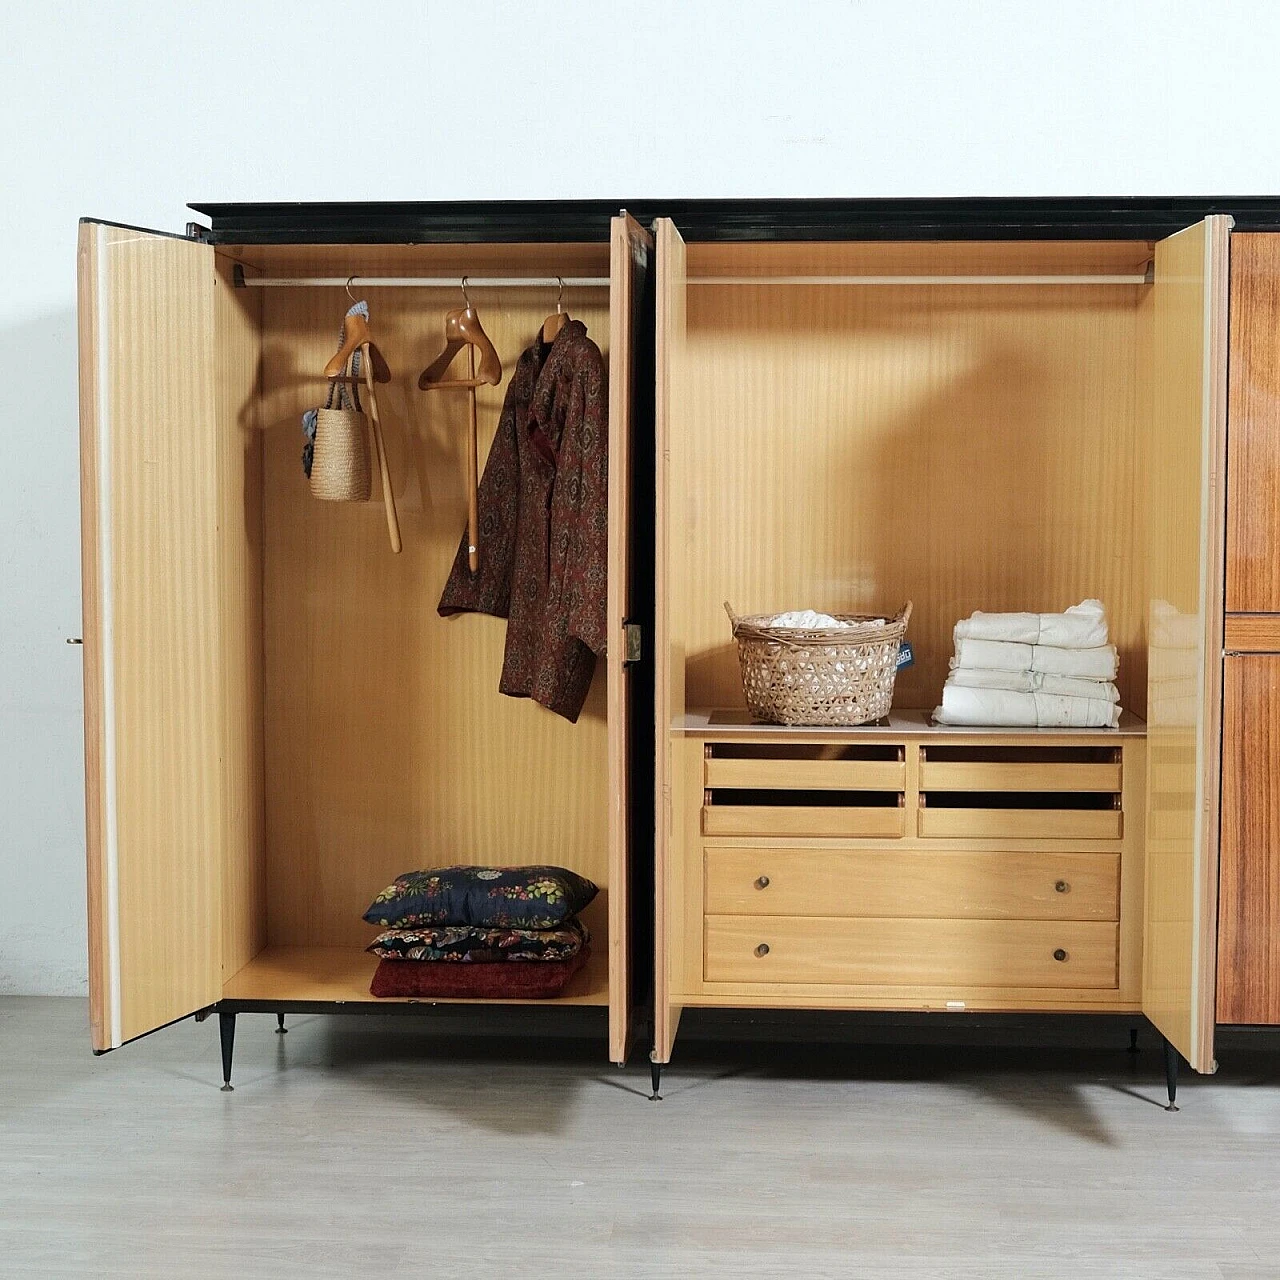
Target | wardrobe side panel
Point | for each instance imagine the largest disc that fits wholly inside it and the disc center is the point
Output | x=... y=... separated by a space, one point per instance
x=669 y=625
x=631 y=260
x=155 y=710
x=1253 y=451
x=1249 y=902
x=1185 y=674
x=237 y=316
x=388 y=745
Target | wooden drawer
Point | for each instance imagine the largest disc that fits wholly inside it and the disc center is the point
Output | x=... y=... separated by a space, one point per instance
x=850 y=821
x=1019 y=775
x=805 y=774
x=907 y=883
x=973 y=953
x=1020 y=824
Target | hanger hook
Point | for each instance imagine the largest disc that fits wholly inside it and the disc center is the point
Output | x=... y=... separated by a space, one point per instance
x=560 y=297
x=350 y=295
x=466 y=296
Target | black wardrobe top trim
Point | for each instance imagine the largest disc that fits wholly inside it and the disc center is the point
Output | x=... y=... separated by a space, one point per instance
x=479 y=221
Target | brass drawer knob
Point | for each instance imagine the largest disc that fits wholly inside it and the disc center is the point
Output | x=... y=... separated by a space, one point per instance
x=1060 y=954
x=762 y=949
x=762 y=882
x=1062 y=887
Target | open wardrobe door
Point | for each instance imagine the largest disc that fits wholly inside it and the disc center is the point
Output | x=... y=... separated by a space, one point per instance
x=153 y=677
x=630 y=263
x=1186 y=457
x=672 y=287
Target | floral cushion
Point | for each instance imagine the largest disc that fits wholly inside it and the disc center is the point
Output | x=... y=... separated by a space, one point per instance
x=477 y=981
x=464 y=942
x=487 y=897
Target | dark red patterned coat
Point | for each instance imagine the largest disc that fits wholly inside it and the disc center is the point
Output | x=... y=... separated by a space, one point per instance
x=544 y=524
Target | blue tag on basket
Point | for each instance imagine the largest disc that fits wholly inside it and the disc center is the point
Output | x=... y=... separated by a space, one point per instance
x=906 y=657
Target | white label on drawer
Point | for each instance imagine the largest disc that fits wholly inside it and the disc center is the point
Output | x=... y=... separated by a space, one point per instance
x=955 y=1004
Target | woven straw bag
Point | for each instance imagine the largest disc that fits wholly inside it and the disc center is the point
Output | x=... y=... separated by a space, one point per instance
x=340 y=470
x=828 y=676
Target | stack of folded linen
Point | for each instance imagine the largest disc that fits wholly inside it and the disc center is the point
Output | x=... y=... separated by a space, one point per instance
x=1033 y=670
x=488 y=933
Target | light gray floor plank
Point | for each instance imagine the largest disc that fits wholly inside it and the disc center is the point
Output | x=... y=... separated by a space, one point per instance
x=369 y=1145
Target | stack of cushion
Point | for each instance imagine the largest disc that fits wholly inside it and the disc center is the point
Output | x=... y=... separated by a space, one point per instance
x=480 y=932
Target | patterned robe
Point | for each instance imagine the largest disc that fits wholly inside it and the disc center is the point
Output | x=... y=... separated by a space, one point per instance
x=544 y=524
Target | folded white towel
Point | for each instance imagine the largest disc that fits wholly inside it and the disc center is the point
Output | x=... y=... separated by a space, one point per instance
x=1034 y=682
x=961 y=705
x=1083 y=626
x=1099 y=663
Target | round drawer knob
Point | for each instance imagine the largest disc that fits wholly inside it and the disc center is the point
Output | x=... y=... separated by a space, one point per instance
x=762 y=949
x=1059 y=954
x=1062 y=887
x=762 y=882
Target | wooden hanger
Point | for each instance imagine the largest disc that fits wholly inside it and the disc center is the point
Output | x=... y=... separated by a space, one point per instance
x=388 y=498
x=356 y=333
x=552 y=325
x=462 y=328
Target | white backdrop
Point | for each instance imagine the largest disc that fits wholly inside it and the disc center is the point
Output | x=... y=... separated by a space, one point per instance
x=128 y=110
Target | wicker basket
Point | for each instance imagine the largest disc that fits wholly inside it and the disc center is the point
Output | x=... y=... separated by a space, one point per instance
x=823 y=677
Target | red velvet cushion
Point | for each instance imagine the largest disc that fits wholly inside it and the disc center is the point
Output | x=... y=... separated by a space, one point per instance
x=515 y=980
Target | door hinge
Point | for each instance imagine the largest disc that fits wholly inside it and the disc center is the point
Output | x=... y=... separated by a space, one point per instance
x=633 y=647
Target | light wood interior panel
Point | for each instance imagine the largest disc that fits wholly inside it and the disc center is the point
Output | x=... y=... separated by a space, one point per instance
x=1253 y=426
x=1186 y=603
x=1249 y=906
x=967 y=447
x=388 y=746
x=155 y=705
x=237 y=319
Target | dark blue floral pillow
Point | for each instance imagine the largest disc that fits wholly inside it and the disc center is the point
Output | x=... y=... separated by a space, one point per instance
x=486 y=897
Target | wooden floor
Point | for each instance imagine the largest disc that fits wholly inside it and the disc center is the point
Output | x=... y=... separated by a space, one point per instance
x=377 y=1145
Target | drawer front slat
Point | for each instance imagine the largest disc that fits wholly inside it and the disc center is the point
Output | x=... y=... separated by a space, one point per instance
x=973 y=953
x=807 y=775
x=978 y=775
x=912 y=883
x=884 y=822
x=1021 y=824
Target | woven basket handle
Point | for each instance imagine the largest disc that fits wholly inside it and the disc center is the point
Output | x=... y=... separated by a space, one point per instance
x=905 y=613
x=733 y=617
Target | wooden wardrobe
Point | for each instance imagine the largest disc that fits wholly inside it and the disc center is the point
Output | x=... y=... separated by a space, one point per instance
x=952 y=404
x=277 y=721
x=973 y=404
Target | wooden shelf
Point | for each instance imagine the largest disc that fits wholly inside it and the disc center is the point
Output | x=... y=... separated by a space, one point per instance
x=735 y=722
x=343 y=974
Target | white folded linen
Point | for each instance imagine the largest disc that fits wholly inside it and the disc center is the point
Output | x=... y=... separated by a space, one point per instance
x=996 y=707
x=809 y=620
x=1099 y=663
x=1083 y=626
x=1034 y=682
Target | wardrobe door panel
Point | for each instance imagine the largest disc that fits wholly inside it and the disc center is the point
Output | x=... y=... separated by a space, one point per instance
x=1185 y=550
x=631 y=252
x=154 y=715
x=1249 y=911
x=668 y=656
x=1253 y=453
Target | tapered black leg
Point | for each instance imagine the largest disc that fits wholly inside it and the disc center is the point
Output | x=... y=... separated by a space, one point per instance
x=1171 y=1074
x=281 y=1029
x=227 y=1034
x=1133 y=1040
x=655 y=1077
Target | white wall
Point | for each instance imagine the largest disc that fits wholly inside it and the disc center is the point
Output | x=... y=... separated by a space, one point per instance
x=128 y=110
